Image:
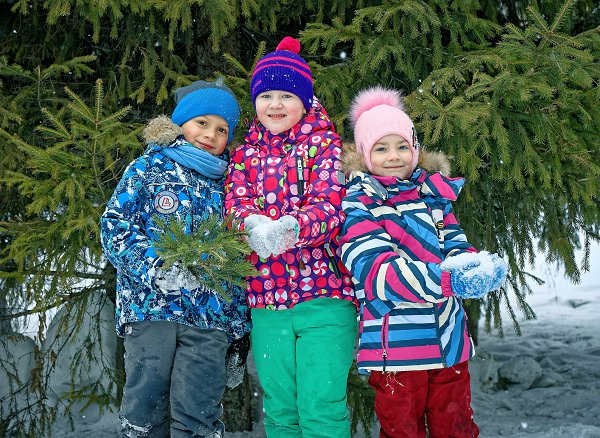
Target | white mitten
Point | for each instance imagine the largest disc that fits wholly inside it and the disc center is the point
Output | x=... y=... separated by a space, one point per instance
x=254 y=220
x=282 y=234
x=175 y=278
x=257 y=227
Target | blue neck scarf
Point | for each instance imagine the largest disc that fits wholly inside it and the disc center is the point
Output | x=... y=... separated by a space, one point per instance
x=197 y=159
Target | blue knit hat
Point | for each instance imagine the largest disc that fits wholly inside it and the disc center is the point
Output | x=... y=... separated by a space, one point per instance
x=203 y=98
x=284 y=70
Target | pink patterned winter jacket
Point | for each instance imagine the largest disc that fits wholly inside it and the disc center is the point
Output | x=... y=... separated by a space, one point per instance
x=293 y=173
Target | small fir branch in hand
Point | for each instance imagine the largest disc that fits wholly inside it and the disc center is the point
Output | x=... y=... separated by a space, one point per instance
x=215 y=253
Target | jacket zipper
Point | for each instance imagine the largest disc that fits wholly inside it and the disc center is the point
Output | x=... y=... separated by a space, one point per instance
x=334 y=265
x=384 y=339
x=439 y=334
x=300 y=174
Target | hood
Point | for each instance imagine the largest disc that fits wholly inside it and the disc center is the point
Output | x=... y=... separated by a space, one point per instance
x=430 y=161
x=161 y=131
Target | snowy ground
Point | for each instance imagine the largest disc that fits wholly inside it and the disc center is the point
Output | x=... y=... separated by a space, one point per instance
x=543 y=384
x=557 y=361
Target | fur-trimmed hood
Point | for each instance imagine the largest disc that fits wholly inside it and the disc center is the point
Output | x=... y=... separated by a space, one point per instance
x=430 y=161
x=161 y=131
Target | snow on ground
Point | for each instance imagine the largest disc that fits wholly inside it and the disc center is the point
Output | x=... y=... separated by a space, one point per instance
x=543 y=384
x=556 y=361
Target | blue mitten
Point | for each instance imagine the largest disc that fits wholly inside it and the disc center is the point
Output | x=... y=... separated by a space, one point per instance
x=257 y=225
x=470 y=284
x=283 y=234
x=472 y=275
x=500 y=272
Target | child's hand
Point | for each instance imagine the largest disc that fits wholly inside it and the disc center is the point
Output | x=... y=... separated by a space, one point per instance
x=467 y=284
x=473 y=275
x=271 y=237
x=255 y=220
x=500 y=272
x=175 y=278
x=257 y=227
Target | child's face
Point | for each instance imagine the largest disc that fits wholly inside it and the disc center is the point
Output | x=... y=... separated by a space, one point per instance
x=209 y=133
x=279 y=110
x=392 y=156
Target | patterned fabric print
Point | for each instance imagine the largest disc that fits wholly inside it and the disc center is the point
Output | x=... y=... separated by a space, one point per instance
x=156 y=186
x=293 y=173
x=390 y=243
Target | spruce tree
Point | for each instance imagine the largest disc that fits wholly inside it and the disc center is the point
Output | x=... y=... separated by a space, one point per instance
x=54 y=243
x=508 y=90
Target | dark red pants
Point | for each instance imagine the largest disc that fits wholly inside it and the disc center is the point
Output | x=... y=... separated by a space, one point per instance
x=406 y=399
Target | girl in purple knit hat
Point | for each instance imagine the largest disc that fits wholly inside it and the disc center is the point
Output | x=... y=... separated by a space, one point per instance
x=412 y=265
x=283 y=186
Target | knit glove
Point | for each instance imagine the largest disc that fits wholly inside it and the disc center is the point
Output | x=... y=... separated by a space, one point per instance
x=473 y=275
x=235 y=361
x=500 y=272
x=175 y=278
x=283 y=234
x=256 y=226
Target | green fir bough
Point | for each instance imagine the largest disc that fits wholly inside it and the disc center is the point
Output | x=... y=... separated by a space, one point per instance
x=213 y=252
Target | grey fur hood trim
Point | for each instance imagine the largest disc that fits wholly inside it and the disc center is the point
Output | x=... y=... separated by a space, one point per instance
x=161 y=131
x=430 y=161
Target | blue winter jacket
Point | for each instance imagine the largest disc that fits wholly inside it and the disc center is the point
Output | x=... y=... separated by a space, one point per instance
x=154 y=186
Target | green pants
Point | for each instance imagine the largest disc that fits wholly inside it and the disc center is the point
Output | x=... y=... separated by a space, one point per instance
x=303 y=356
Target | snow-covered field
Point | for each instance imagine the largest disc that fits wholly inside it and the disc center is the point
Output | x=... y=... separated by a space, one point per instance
x=543 y=384
x=554 y=368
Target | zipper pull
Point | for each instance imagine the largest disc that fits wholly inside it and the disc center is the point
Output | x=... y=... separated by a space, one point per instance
x=384 y=357
x=332 y=260
x=300 y=174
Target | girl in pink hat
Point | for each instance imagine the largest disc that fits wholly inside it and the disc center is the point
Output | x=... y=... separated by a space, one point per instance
x=411 y=266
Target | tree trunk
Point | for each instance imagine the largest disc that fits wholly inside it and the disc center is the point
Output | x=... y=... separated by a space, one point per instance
x=472 y=307
x=240 y=405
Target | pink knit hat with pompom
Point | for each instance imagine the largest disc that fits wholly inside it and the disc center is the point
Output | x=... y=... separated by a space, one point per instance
x=377 y=112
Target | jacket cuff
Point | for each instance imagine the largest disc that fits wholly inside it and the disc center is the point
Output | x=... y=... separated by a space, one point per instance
x=446 y=284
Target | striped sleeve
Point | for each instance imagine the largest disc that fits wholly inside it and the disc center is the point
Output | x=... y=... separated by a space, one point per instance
x=455 y=240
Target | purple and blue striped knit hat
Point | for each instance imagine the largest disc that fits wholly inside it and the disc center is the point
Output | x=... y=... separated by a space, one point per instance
x=284 y=70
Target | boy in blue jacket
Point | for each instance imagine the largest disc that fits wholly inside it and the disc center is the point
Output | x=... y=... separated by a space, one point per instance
x=176 y=332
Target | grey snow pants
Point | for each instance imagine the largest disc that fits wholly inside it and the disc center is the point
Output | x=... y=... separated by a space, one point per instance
x=174 y=381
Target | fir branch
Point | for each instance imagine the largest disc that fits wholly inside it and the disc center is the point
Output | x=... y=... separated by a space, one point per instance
x=61 y=131
x=213 y=252
x=78 y=106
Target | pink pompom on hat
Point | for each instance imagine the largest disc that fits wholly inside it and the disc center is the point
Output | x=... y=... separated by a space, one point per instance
x=377 y=112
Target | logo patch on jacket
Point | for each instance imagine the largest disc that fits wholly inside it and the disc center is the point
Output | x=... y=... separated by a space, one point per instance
x=166 y=202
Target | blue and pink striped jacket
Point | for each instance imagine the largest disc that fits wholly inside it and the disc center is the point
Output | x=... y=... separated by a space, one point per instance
x=395 y=236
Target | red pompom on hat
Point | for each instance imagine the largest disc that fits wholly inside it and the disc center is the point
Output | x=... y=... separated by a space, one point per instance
x=290 y=44
x=284 y=70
